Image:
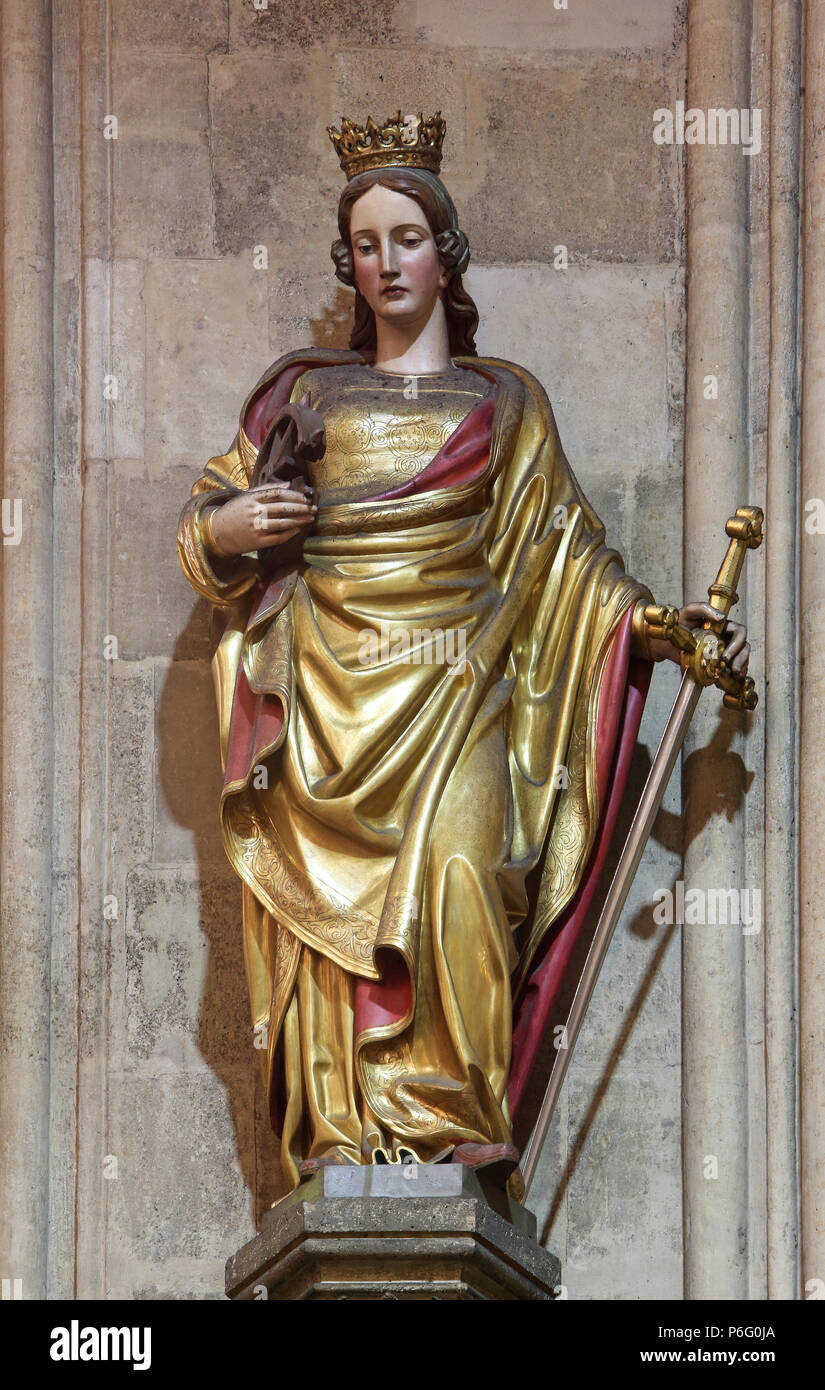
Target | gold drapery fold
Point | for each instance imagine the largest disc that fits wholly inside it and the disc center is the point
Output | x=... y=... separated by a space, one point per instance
x=409 y=799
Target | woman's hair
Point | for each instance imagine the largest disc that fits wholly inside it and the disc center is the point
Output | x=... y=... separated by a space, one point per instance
x=453 y=253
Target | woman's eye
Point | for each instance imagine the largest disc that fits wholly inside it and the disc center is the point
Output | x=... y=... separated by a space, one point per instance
x=412 y=241
x=364 y=250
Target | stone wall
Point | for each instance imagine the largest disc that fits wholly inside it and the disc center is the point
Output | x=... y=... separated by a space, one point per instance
x=158 y=1160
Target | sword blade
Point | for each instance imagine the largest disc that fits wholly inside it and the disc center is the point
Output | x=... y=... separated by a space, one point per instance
x=646 y=813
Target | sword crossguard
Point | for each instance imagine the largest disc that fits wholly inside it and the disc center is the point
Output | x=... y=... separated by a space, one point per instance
x=701 y=649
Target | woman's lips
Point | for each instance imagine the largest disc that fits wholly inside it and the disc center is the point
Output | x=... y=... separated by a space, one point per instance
x=393 y=291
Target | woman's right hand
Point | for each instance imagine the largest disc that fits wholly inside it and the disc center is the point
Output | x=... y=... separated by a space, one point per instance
x=262 y=517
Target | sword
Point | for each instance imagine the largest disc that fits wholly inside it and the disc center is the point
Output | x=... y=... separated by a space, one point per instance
x=702 y=664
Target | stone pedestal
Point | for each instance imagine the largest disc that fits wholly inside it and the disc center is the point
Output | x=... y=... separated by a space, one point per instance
x=400 y=1231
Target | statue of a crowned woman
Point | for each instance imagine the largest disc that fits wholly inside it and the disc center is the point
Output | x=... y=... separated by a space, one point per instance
x=430 y=681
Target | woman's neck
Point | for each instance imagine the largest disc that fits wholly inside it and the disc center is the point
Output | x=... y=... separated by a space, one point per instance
x=414 y=349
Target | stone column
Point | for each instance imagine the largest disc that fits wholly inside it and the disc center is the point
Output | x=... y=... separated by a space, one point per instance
x=716 y=482
x=27 y=713
x=80 y=1018
x=779 y=708
x=812 y=685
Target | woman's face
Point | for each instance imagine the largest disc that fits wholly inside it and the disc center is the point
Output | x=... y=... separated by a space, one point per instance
x=394 y=256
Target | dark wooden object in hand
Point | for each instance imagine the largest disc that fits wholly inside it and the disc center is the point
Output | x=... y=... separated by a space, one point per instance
x=295 y=438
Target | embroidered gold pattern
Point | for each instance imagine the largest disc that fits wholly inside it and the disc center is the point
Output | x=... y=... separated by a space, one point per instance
x=383 y=429
x=268 y=661
x=347 y=932
x=401 y=914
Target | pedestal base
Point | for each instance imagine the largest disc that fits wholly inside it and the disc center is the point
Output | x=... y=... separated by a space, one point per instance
x=401 y=1231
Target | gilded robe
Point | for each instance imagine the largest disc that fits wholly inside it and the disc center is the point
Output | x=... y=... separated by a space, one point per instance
x=384 y=807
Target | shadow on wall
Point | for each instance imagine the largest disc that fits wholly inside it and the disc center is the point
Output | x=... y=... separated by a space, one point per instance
x=727 y=770
x=190 y=781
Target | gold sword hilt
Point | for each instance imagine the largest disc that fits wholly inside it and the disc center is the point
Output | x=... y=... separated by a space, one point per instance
x=701 y=649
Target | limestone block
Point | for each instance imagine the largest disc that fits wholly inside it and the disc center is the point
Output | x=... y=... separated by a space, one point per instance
x=420 y=78
x=94 y=190
x=185 y=26
x=188 y=770
x=608 y=497
x=634 y=1022
x=154 y=611
x=115 y=350
x=283 y=24
x=275 y=173
x=207 y=325
x=128 y=323
x=654 y=553
x=96 y=352
x=312 y=310
x=175 y=1281
x=186 y=1005
x=523 y=25
x=131 y=762
x=597 y=340
x=568 y=157
x=667 y=834
x=179 y=1197
x=24 y=1025
x=161 y=199
x=624 y=1207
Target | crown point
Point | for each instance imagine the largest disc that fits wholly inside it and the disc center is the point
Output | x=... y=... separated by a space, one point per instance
x=408 y=141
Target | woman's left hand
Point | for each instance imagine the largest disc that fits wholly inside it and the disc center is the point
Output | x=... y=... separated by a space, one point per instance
x=734 y=635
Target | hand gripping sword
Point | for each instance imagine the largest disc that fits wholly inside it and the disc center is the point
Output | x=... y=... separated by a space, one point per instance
x=702 y=664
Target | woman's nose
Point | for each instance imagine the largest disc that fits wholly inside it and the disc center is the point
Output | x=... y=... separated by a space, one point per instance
x=389 y=259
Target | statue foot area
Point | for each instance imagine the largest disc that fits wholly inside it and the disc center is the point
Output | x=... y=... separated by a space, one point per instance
x=474 y=1156
x=500 y=1167
x=500 y=1159
x=404 y=1154
x=379 y=1156
x=483 y=1155
x=335 y=1157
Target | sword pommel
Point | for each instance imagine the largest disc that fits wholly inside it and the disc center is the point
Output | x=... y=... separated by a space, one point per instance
x=701 y=649
x=745 y=531
x=746 y=526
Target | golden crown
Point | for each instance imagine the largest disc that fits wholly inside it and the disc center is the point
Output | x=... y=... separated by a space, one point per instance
x=407 y=140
